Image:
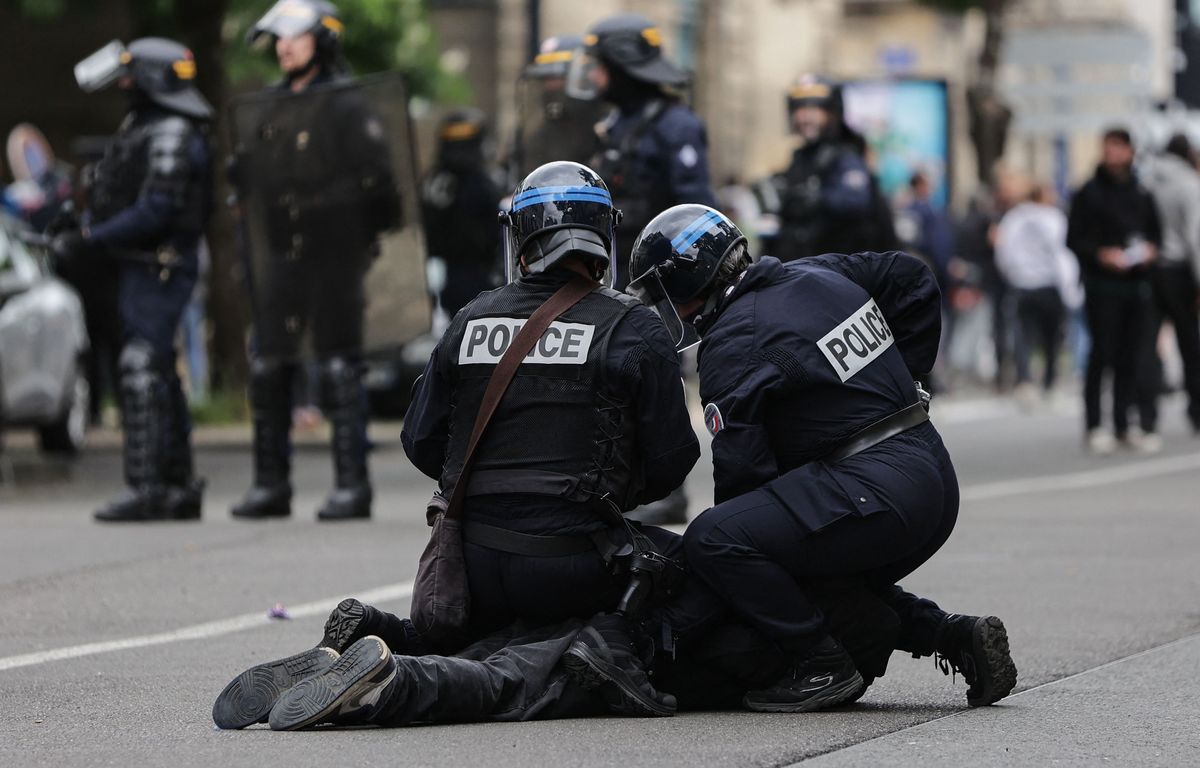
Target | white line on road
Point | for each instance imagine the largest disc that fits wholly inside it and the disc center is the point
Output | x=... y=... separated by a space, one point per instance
x=1110 y=475
x=1048 y=483
x=202 y=631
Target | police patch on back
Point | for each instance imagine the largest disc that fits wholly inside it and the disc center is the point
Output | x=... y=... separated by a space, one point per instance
x=487 y=338
x=857 y=340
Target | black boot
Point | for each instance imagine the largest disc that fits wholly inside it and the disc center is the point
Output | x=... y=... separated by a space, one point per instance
x=184 y=494
x=344 y=401
x=977 y=647
x=604 y=657
x=145 y=416
x=352 y=620
x=271 y=400
x=821 y=678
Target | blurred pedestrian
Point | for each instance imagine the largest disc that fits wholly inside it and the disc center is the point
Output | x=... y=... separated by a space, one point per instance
x=459 y=202
x=1173 y=181
x=1114 y=230
x=932 y=236
x=1031 y=248
x=829 y=201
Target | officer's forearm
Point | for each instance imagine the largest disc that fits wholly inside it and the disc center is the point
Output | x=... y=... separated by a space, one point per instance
x=145 y=220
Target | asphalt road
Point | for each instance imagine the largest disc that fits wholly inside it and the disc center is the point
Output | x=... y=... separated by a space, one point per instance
x=115 y=640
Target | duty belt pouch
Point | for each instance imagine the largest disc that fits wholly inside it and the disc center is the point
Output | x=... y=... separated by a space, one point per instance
x=441 y=595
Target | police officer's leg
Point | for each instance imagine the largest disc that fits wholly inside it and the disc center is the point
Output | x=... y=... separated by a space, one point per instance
x=271 y=403
x=338 y=341
x=145 y=411
x=184 y=490
x=344 y=403
x=149 y=316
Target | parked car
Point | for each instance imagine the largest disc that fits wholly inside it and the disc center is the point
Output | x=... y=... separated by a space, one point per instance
x=42 y=343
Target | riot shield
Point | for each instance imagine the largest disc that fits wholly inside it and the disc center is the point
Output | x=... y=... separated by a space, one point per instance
x=553 y=126
x=330 y=218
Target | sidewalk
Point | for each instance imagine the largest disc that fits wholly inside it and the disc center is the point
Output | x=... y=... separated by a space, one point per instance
x=1139 y=710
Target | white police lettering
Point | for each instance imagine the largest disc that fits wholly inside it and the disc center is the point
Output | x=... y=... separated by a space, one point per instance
x=857 y=341
x=487 y=338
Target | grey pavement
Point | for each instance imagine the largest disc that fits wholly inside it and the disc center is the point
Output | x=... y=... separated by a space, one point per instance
x=1093 y=566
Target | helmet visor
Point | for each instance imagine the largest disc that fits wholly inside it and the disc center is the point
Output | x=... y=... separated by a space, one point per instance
x=583 y=78
x=287 y=18
x=102 y=68
x=649 y=290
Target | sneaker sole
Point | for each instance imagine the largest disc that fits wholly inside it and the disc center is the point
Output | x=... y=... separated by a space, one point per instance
x=343 y=623
x=589 y=672
x=317 y=699
x=849 y=690
x=248 y=699
x=1000 y=673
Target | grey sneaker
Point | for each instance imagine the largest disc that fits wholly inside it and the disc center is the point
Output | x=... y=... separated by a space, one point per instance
x=344 y=694
x=249 y=697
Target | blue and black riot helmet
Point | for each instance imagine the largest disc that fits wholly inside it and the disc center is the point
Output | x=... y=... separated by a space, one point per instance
x=560 y=209
x=685 y=253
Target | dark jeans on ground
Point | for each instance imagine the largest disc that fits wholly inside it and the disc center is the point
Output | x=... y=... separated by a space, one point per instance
x=1039 y=326
x=1175 y=297
x=1119 y=314
x=875 y=518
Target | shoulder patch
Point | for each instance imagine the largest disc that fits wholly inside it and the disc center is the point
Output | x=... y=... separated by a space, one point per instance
x=486 y=339
x=689 y=156
x=713 y=419
x=856 y=178
x=857 y=340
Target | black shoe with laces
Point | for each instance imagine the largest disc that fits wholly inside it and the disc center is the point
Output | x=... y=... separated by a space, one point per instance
x=249 y=697
x=977 y=648
x=346 y=693
x=353 y=620
x=824 y=677
x=603 y=657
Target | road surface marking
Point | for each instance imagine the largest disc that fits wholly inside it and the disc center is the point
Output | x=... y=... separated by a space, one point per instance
x=203 y=631
x=1074 y=481
x=1112 y=474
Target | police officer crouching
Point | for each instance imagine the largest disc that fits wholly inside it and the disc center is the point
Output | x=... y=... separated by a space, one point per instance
x=654 y=149
x=150 y=201
x=593 y=424
x=826 y=464
x=829 y=201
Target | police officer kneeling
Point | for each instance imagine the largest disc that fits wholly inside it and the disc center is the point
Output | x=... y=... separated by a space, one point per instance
x=826 y=464
x=593 y=424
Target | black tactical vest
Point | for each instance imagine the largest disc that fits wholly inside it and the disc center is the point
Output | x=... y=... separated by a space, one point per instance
x=151 y=152
x=563 y=429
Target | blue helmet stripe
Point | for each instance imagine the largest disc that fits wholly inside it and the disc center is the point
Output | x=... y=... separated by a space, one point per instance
x=696 y=230
x=563 y=194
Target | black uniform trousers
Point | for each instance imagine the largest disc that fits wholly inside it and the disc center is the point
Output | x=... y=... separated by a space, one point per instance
x=764 y=552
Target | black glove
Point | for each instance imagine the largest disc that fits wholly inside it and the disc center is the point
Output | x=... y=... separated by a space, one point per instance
x=68 y=246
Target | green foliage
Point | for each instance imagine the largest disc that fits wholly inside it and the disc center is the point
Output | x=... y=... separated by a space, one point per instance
x=43 y=9
x=954 y=6
x=380 y=35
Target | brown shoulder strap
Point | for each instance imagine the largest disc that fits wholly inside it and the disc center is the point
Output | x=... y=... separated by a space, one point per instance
x=562 y=300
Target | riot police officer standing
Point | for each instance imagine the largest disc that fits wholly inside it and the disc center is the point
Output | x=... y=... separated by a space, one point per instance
x=553 y=124
x=459 y=200
x=149 y=202
x=315 y=187
x=654 y=149
x=829 y=201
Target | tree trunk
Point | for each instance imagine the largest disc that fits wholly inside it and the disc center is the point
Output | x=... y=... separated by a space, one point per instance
x=989 y=116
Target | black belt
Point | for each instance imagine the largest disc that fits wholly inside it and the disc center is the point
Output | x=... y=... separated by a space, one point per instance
x=881 y=430
x=526 y=544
